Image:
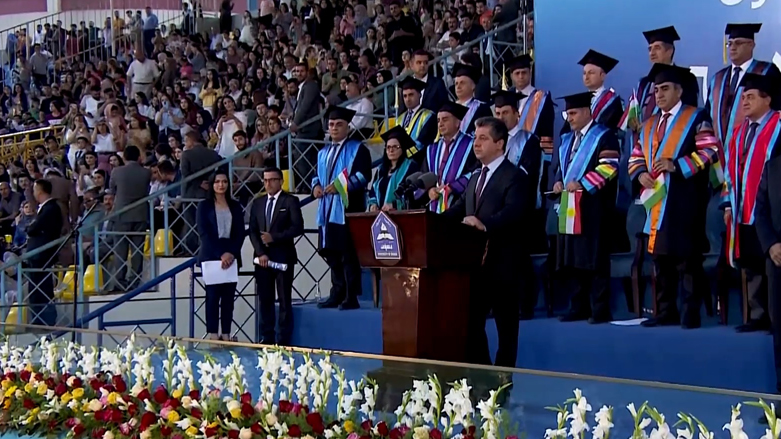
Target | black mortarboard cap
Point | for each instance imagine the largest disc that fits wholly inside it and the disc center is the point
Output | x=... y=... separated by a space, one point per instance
x=600 y=60
x=340 y=113
x=504 y=98
x=661 y=73
x=742 y=30
x=752 y=81
x=412 y=83
x=666 y=35
x=578 y=100
x=519 y=62
x=457 y=110
x=466 y=70
x=399 y=133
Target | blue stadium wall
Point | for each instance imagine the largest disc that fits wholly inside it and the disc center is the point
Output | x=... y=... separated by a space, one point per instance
x=566 y=29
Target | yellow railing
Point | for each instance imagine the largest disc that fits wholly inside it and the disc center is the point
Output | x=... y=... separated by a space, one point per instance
x=20 y=145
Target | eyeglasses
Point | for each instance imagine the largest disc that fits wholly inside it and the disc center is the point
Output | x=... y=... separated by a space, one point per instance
x=392 y=147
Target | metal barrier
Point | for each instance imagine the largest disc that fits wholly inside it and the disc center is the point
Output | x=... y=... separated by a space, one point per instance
x=20 y=145
x=301 y=165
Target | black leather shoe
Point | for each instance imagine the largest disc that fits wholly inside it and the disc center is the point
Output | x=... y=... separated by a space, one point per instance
x=331 y=302
x=752 y=326
x=668 y=321
x=600 y=320
x=693 y=324
x=573 y=317
x=349 y=304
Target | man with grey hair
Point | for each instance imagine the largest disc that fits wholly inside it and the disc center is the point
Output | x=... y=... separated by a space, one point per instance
x=10 y=204
x=495 y=202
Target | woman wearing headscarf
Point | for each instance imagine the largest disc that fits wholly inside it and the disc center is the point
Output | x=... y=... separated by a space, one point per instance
x=395 y=167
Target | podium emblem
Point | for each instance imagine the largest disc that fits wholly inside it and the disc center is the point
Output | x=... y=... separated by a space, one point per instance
x=385 y=238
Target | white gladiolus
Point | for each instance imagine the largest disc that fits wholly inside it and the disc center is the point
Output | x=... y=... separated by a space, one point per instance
x=735 y=426
x=245 y=433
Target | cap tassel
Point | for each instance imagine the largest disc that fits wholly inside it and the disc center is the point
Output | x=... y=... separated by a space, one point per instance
x=396 y=93
x=724 y=50
x=504 y=78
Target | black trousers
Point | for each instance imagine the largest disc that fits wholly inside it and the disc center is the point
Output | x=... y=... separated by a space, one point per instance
x=149 y=47
x=219 y=308
x=670 y=270
x=774 y=299
x=503 y=298
x=345 y=274
x=590 y=292
x=266 y=281
x=756 y=287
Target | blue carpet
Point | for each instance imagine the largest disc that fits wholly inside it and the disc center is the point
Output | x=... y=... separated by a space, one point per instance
x=712 y=356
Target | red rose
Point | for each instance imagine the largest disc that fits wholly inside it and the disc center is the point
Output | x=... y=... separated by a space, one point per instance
x=52 y=424
x=144 y=395
x=71 y=422
x=25 y=375
x=382 y=428
x=147 y=419
x=297 y=409
x=119 y=383
x=294 y=431
x=366 y=436
x=196 y=413
x=98 y=433
x=210 y=431
x=316 y=422
x=116 y=416
x=50 y=383
x=367 y=425
x=435 y=434
x=132 y=409
x=173 y=403
x=77 y=383
x=100 y=415
x=285 y=406
x=245 y=398
x=161 y=395
x=28 y=404
x=61 y=389
x=233 y=434
x=165 y=430
x=38 y=376
x=78 y=430
x=256 y=428
x=247 y=410
x=396 y=434
x=10 y=376
x=195 y=394
x=95 y=384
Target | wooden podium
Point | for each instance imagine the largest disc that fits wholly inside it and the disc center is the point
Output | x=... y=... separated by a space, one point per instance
x=425 y=293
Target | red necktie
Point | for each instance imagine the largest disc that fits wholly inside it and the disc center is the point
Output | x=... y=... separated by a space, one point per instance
x=662 y=129
x=443 y=161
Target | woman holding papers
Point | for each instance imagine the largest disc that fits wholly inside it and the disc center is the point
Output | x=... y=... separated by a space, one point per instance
x=220 y=223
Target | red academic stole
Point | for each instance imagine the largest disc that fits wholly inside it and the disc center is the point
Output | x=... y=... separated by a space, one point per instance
x=603 y=101
x=668 y=147
x=744 y=183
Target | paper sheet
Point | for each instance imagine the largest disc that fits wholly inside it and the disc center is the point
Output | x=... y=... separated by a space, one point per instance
x=633 y=322
x=213 y=274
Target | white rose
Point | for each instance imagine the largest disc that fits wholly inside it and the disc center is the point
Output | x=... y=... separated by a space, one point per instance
x=95 y=405
x=420 y=433
x=187 y=402
x=108 y=435
x=233 y=405
x=146 y=434
x=71 y=381
x=245 y=433
x=271 y=419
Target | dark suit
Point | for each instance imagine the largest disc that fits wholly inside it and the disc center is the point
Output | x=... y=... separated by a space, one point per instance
x=305 y=153
x=435 y=93
x=502 y=208
x=130 y=183
x=44 y=229
x=194 y=160
x=767 y=214
x=285 y=226
x=219 y=298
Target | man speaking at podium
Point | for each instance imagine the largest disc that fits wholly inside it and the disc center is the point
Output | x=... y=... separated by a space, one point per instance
x=495 y=202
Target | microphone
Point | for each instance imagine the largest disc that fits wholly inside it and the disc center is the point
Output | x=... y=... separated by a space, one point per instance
x=413 y=177
x=408 y=185
x=427 y=181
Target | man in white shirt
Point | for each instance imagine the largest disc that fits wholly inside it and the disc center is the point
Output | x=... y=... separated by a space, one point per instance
x=142 y=74
x=364 y=109
x=90 y=104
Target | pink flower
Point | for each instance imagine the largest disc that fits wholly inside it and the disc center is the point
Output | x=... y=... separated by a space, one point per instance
x=353 y=435
x=125 y=429
x=165 y=411
x=259 y=406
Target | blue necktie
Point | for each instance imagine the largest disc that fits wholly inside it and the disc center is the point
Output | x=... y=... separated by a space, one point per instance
x=269 y=212
x=407 y=119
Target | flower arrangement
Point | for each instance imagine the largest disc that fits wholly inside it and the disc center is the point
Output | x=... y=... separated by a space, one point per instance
x=83 y=392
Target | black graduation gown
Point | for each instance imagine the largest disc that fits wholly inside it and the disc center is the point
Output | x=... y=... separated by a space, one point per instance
x=530 y=161
x=609 y=117
x=337 y=236
x=691 y=90
x=591 y=249
x=482 y=111
x=383 y=181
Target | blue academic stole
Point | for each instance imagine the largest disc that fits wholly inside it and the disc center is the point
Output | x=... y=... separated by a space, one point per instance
x=329 y=164
x=515 y=147
x=719 y=91
x=588 y=145
x=394 y=180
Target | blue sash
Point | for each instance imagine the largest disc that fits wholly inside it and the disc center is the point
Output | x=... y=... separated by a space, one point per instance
x=395 y=179
x=515 y=147
x=577 y=169
x=331 y=207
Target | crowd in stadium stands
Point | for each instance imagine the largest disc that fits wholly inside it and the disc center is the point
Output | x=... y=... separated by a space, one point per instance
x=168 y=89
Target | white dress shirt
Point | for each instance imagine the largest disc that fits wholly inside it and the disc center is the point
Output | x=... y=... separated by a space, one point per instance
x=528 y=91
x=425 y=81
x=363 y=117
x=490 y=171
x=598 y=92
x=673 y=111
x=743 y=69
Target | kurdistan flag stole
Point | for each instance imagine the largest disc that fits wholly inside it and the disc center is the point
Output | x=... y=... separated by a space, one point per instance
x=650 y=196
x=569 y=213
x=340 y=183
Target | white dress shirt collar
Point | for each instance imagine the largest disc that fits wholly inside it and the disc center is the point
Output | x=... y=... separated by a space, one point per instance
x=514 y=131
x=528 y=90
x=744 y=67
x=598 y=92
x=674 y=110
x=492 y=167
x=585 y=129
x=467 y=102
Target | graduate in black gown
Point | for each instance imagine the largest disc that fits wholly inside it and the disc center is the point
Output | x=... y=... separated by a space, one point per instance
x=395 y=168
x=606 y=105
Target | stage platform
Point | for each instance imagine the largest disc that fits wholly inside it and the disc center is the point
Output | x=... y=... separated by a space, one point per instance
x=712 y=356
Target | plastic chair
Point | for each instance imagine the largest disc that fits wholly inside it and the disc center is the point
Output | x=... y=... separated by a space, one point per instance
x=12 y=319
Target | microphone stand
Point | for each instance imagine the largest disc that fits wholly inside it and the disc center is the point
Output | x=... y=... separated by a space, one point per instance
x=74 y=233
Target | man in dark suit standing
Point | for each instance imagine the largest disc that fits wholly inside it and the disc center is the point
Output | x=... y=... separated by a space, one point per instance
x=44 y=229
x=275 y=223
x=435 y=92
x=129 y=184
x=495 y=201
x=307 y=107
x=767 y=219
